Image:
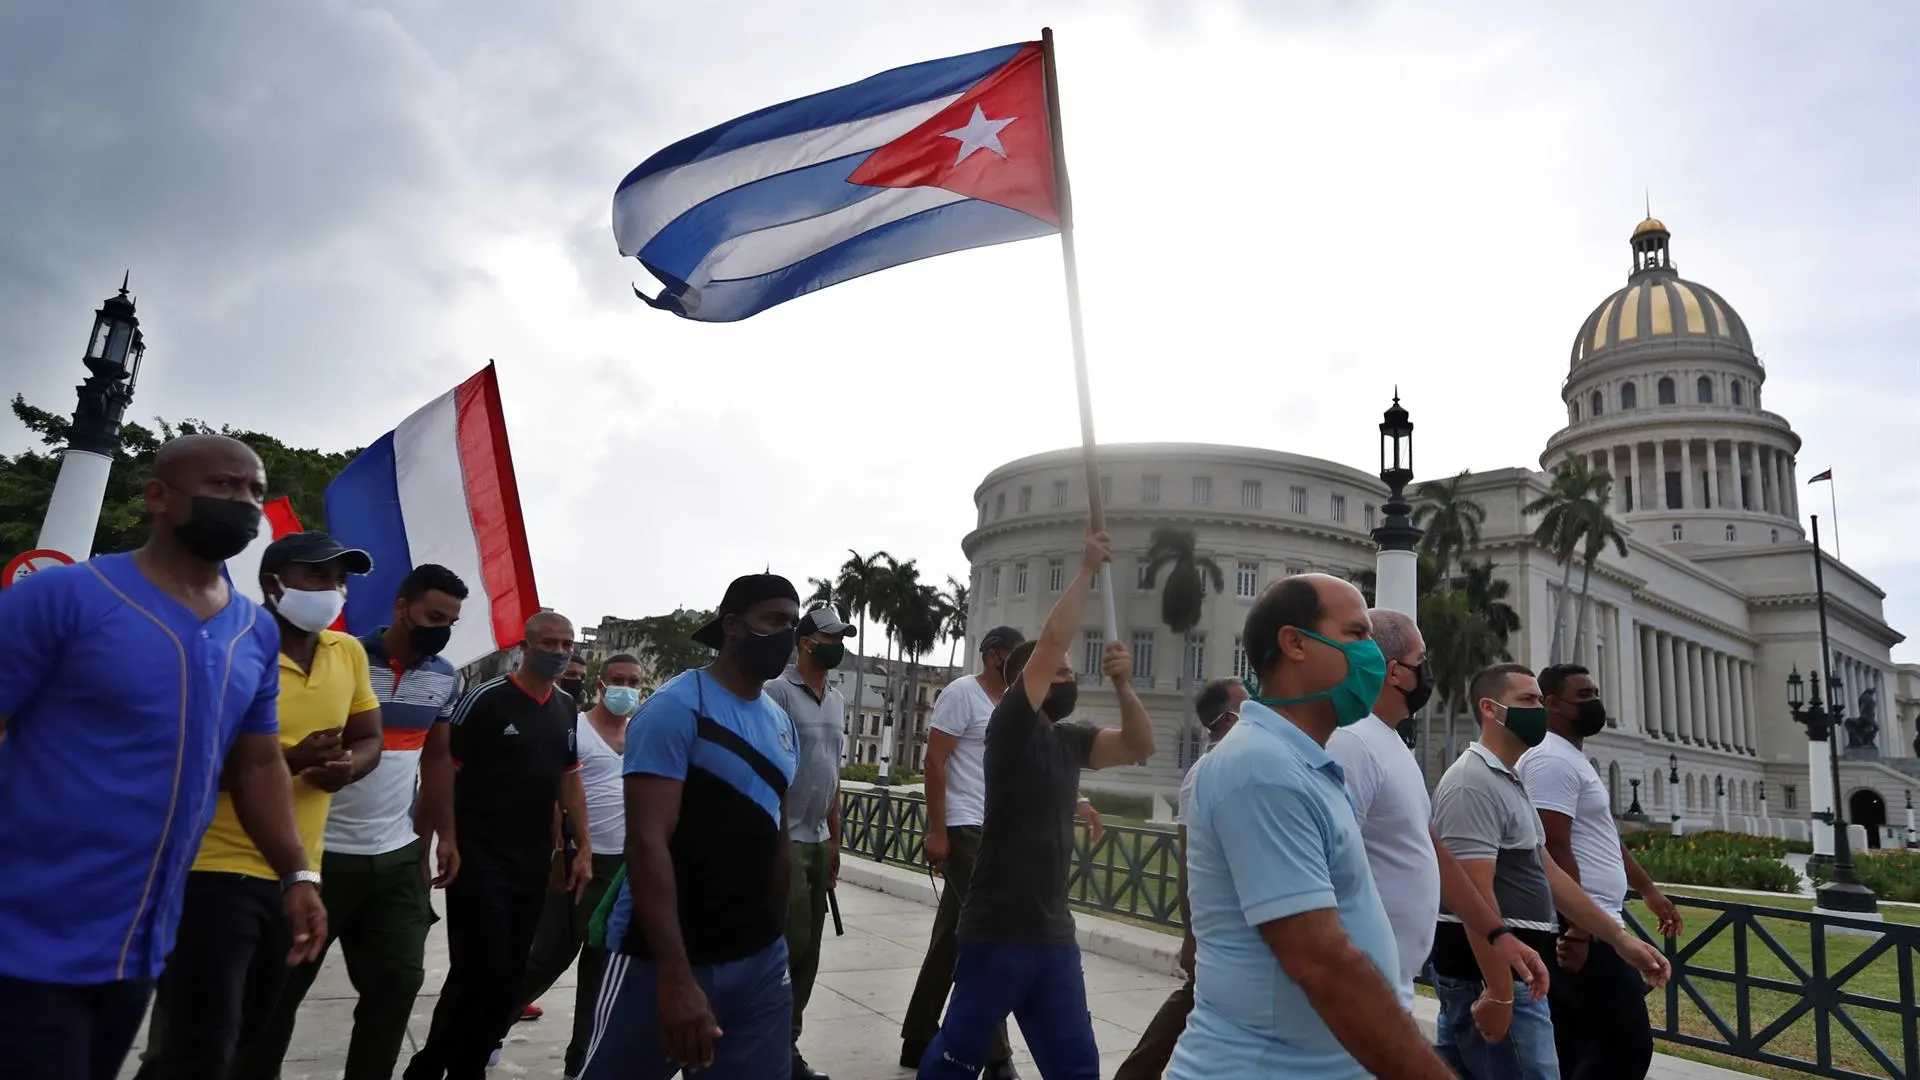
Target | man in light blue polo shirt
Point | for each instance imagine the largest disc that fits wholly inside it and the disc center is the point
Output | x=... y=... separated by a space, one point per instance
x=1296 y=961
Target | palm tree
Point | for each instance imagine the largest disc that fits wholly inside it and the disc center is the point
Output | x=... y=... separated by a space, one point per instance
x=1601 y=530
x=1487 y=595
x=1567 y=513
x=1451 y=519
x=1460 y=641
x=857 y=586
x=822 y=594
x=953 y=624
x=1187 y=575
x=1426 y=579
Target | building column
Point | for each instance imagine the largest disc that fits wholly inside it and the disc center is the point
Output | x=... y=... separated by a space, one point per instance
x=1728 y=735
x=1660 y=475
x=1716 y=493
x=1753 y=714
x=1697 y=694
x=1687 y=501
x=1756 y=498
x=1778 y=464
x=1793 y=489
x=1669 y=703
x=1710 y=690
x=1737 y=690
x=1649 y=681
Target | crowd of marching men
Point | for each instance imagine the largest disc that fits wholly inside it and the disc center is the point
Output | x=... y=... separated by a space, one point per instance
x=200 y=796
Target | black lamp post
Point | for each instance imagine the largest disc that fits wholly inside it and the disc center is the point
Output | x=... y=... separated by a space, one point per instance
x=1633 y=809
x=1673 y=786
x=1822 y=721
x=1396 y=578
x=115 y=348
x=1760 y=792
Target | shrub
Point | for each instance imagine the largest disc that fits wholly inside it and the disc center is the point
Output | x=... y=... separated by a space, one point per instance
x=1892 y=876
x=862 y=773
x=1715 y=842
x=1115 y=804
x=1678 y=865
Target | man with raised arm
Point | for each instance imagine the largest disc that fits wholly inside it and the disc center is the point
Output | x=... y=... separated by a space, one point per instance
x=1297 y=962
x=1017 y=954
x=697 y=955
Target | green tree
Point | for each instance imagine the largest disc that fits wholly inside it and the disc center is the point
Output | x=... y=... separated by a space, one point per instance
x=822 y=594
x=1460 y=641
x=665 y=643
x=1426 y=579
x=858 y=586
x=1487 y=595
x=1451 y=519
x=1574 y=518
x=953 y=623
x=1188 y=572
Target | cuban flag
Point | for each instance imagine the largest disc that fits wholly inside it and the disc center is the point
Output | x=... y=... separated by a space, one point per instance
x=277 y=519
x=440 y=489
x=911 y=163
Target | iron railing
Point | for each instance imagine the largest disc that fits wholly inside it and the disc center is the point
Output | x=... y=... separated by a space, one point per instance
x=1842 y=1005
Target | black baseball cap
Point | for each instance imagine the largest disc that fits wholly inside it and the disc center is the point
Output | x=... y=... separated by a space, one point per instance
x=741 y=595
x=825 y=620
x=313 y=547
x=1000 y=637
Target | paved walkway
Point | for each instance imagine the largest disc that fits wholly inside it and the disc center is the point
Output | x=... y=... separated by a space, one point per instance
x=853 y=1022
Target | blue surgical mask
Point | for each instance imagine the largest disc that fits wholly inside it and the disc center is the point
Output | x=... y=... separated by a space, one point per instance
x=1353 y=696
x=620 y=700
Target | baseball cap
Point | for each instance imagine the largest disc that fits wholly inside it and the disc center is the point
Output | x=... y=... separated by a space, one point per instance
x=825 y=620
x=741 y=595
x=313 y=547
x=1000 y=637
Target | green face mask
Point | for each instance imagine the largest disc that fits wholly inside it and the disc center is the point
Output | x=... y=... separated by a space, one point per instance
x=1528 y=723
x=1353 y=696
x=828 y=654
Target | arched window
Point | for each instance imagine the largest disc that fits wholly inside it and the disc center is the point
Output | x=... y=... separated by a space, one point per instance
x=1703 y=390
x=1663 y=391
x=1574 y=412
x=1730 y=532
x=1733 y=391
x=1596 y=403
x=1676 y=531
x=1773 y=536
x=1629 y=397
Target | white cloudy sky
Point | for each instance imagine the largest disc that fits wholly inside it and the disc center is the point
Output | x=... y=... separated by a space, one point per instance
x=335 y=210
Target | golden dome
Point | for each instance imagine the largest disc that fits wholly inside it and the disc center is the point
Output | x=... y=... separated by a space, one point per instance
x=1651 y=224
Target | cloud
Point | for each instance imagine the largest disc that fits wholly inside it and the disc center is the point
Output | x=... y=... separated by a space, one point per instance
x=335 y=211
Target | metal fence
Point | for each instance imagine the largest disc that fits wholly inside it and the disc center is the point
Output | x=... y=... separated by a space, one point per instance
x=1826 y=996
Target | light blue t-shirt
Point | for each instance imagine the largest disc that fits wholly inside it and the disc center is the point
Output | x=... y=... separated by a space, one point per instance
x=1272 y=835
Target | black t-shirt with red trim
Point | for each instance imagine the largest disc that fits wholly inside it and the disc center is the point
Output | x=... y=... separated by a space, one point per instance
x=510 y=750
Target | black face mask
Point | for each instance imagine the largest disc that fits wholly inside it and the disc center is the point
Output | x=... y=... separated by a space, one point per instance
x=1061 y=698
x=548 y=665
x=573 y=687
x=429 y=640
x=1589 y=717
x=1422 y=687
x=765 y=655
x=218 y=529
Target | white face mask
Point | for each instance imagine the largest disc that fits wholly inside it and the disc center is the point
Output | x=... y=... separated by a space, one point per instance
x=310 y=611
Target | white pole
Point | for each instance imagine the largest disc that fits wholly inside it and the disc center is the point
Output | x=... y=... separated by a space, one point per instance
x=1396 y=581
x=1820 y=792
x=73 y=514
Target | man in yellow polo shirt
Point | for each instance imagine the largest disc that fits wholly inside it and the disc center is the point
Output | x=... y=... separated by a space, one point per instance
x=231 y=957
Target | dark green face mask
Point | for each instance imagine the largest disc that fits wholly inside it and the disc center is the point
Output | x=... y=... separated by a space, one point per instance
x=1528 y=723
x=828 y=654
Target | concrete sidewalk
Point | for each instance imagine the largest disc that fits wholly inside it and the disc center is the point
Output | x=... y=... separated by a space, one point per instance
x=853 y=1022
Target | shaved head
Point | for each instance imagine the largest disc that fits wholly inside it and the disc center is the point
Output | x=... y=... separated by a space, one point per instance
x=545 y=620
x=179 y=459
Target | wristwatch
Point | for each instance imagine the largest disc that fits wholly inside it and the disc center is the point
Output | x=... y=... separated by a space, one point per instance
x=300 y=877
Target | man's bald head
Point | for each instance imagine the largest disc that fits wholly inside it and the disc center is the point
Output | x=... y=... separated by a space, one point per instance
x=547 y=623
x=204 y=495
x=1398 y=636
x=187 y=455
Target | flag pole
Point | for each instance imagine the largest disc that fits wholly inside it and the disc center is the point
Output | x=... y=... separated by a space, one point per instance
x=1833 y=503
x=1096 y=512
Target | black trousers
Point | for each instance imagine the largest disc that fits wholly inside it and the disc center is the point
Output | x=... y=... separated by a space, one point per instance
x=223 y=979
x=491 y=920
x=1600 y=1025
x=55 y=1032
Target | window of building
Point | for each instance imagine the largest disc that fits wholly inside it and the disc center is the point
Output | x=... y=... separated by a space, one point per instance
x=1093 y=583
x=1250 y=494
x=1143 y=655
x=1677 y=532
x=1246 y=580
x=1731 y=533
x=1297 y=500
x=1734 y=393
x=1142 y=574
x=993 y=584
x=1629 y=397
x=1026 y=500
x=1573 y=412
x=1106 y=491
x=1663 y=391
x=1059 y=493
x=1239 y=658
x=1193 y=666
x=1773 y=536
x=1789 y=791
x=1366 y=513
x=1090 y=646
x=999 y=506
x=1202 y=490
x=1020 y=579
x=1596 y=403
x=1337 y=507
x=1056 y=575
x=983 y=515
x=1150 y=488
x=1703 y=390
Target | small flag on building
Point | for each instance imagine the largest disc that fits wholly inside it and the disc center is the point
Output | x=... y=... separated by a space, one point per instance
x=1828 y=475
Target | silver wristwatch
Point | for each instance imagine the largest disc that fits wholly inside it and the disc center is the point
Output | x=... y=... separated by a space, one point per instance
x=300 y=877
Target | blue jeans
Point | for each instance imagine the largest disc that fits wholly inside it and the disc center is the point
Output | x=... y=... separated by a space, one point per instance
x=752 y=1001
x=1041 y=986
x=1527 y=1053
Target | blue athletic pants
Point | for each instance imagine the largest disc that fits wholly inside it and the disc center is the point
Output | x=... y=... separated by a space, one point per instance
x=752 y=1001
x=1040 y=986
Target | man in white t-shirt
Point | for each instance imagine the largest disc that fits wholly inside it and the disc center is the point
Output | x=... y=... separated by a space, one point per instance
x=1411 y=869
x=1217 y=709
x=956 y=784
x=562 y=933
x=1600 y=1024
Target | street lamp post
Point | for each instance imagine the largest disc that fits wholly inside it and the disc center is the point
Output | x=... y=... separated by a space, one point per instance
x=1634 y=813
x=1720 y=800
x=1673 y=791
x=1396 y=573
x=1760 y=792
x=1913 y=834
x=114 y=352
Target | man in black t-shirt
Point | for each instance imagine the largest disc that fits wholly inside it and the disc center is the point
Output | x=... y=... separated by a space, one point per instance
x=515 y=752
x=1016 y=953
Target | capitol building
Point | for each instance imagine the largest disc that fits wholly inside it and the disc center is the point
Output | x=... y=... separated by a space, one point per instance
x=1691 y=635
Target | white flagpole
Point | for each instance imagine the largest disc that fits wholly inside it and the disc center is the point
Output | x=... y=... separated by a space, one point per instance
x=1833 y=503
x=1096 y=512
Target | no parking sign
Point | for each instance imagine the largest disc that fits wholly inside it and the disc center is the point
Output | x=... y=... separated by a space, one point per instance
x=28 y=562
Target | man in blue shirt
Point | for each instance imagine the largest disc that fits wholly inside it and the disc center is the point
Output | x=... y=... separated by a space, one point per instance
x=697 y=967
x=133 y=683
x=1296 y=961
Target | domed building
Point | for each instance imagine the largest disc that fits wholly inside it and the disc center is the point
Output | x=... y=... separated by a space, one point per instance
x=1691 y=635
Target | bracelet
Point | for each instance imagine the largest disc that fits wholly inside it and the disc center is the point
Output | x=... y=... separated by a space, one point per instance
x=1484 y=996
x=1497 y=933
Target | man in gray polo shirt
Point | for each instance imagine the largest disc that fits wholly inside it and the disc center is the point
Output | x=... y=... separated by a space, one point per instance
x=1481 y=813
x=819 y=716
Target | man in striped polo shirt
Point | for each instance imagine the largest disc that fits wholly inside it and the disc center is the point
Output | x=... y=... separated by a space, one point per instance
x=374 y=870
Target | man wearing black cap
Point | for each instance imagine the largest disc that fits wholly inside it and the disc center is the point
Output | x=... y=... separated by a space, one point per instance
x=227 y=968
x=697 y=934
x=956 y=808
x=819 y=714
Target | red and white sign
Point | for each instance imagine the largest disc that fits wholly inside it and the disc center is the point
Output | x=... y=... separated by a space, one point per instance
x=29 y=561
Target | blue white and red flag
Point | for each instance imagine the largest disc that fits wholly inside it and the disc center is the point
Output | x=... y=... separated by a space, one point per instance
x=910 y=163
x=440 y=489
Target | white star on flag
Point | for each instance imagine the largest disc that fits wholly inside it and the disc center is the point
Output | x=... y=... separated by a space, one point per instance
x=979 y=134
